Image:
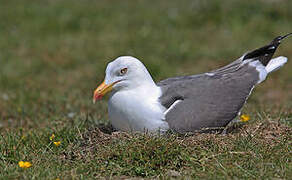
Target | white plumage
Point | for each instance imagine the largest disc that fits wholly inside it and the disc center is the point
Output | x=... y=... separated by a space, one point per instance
x=135 y=106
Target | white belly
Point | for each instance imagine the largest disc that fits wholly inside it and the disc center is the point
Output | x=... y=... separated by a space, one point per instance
x=133 y=111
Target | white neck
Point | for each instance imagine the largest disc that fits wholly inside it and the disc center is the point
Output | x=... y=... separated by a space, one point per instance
x=137 y=109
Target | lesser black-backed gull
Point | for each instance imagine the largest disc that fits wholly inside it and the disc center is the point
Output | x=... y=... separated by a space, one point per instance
x=185 y=103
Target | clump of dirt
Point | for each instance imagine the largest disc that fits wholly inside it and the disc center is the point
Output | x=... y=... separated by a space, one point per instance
x=267 y=132
x=101 y=136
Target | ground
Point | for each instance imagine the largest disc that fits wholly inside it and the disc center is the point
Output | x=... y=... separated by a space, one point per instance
x=53 y=55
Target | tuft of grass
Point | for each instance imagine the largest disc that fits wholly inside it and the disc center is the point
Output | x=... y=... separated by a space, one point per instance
x=54 y=53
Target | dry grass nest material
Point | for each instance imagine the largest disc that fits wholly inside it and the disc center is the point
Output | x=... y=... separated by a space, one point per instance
x=269 y=132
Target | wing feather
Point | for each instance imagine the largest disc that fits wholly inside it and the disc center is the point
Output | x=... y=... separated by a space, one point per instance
x=207 y=101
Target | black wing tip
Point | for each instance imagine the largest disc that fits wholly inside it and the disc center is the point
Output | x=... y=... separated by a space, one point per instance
x=265 y=53
x=279 y=38
x=285 y=36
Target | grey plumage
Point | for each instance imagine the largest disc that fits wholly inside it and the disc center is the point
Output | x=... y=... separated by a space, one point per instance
x=213 y=100
x=207 y=101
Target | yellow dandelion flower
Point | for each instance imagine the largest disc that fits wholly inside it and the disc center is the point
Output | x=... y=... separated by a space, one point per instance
x=57 y=143
x=21 y=164
x=52 y=137
x=244 y=118
x=24 y=164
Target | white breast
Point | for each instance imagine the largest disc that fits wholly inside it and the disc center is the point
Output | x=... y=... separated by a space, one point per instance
x=137 y=110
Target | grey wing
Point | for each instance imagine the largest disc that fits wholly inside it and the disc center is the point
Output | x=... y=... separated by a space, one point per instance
x=213 y=99
x=232 y=67
x=207 y=101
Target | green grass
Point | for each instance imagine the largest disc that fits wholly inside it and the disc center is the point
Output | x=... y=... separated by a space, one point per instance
x=53 y=54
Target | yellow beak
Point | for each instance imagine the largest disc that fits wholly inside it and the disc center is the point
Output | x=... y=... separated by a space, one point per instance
x=101 y=90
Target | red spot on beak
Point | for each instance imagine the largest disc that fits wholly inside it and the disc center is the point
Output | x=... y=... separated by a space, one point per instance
x=98 y=97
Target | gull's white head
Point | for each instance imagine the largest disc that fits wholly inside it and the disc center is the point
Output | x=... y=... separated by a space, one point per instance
x=125 y=72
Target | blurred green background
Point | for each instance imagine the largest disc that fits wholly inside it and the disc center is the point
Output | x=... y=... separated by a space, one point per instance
x=53 y=54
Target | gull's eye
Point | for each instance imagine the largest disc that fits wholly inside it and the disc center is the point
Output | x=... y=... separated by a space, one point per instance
x=124 y=71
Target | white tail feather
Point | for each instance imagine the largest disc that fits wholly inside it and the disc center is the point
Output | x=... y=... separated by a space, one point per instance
x=275 y=63
x=261 y=69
